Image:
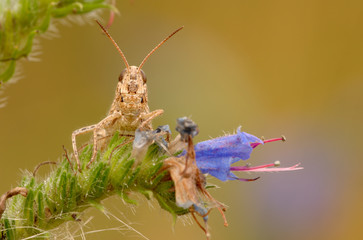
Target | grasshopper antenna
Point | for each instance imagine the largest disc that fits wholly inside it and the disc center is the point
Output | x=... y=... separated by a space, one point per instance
x=162 y=42
x=115 y=44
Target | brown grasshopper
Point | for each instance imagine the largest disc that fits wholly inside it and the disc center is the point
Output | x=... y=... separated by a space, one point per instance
x=129 y=110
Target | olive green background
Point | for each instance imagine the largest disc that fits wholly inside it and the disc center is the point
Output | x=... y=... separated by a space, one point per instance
x=274 y=67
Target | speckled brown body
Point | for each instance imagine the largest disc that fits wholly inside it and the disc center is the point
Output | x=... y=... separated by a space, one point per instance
x=129 y=111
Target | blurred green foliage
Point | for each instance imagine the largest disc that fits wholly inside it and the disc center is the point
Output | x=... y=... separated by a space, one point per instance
x=22 y=20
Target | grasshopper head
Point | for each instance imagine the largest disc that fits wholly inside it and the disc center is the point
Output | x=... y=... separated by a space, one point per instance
x=131 y=93
x=132 y=90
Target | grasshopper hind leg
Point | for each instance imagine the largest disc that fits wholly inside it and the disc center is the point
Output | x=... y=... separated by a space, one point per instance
x=100 y=132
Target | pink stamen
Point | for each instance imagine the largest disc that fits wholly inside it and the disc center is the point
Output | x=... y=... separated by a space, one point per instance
x=265 y=168
x=283 y=138
x=248 y=168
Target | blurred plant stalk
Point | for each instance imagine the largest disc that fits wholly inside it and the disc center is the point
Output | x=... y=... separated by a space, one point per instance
x=22 y=20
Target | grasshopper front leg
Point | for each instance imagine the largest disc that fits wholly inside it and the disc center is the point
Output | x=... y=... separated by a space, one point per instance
x=74 y=144
x=147 y=117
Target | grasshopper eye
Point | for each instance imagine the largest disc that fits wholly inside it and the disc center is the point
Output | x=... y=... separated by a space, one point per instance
x=143 y=75
x=122 y=75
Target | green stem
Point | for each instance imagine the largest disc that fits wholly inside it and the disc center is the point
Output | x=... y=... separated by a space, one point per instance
x=65 y=194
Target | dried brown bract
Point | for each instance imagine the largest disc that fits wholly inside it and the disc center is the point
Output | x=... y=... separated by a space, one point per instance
x=188 y=188
x=189 y=182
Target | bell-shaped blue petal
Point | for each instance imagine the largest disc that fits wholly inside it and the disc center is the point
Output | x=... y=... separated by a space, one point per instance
x=215 y=156
x=237 y=146
x=217 y=167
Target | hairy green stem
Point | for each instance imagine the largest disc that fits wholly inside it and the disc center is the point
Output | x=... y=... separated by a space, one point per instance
x=65 y=194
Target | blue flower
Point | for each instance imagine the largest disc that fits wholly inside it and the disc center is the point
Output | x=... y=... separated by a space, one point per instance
x=216 y=156
x=237 y=146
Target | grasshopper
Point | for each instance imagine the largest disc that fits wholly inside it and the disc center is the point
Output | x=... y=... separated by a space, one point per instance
x=129 y=110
